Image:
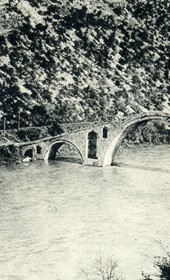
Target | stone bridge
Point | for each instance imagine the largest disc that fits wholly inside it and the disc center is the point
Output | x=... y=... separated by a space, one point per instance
x=96 y=144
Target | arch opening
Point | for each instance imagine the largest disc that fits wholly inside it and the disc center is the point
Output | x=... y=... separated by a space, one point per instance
x=149 y=132
x=64 y=151
x=28 y=153
x=135 y=126
x=92 y=145
x=105 y=132
x=38 y=149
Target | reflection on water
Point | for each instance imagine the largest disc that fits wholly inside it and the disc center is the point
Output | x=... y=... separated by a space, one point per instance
x=57 y=218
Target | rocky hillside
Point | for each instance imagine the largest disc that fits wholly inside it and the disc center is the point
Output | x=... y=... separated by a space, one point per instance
x=67 y=61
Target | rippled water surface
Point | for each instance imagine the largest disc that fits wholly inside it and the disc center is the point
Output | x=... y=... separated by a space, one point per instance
x=56 y=218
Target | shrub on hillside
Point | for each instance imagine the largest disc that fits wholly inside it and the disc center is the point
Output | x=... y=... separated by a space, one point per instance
x=163 y=264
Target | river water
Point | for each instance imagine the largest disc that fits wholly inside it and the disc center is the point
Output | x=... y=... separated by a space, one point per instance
x=57 y=218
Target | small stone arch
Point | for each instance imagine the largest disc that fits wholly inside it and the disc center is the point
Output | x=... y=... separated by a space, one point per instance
x=92 y=145
x=29 y=153
x=54 y=147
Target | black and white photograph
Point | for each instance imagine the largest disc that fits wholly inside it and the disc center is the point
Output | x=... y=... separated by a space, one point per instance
x=84 y=140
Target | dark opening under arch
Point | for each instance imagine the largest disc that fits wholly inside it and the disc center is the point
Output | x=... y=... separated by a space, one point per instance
x=65 y=151
x=92 y=145
x=29 y=153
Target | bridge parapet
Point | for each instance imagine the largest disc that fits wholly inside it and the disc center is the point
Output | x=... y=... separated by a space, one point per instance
x=144 y=116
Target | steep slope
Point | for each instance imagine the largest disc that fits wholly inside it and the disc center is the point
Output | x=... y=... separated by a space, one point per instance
x=82 y=60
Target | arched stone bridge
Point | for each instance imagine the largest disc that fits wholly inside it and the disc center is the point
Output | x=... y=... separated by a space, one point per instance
x=96 y=144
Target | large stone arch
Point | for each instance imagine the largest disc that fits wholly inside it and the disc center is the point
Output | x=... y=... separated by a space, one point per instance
x=121 y=134
x=55 y=146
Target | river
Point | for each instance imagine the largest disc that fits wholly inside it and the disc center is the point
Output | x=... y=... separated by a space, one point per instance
x=56 y=218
